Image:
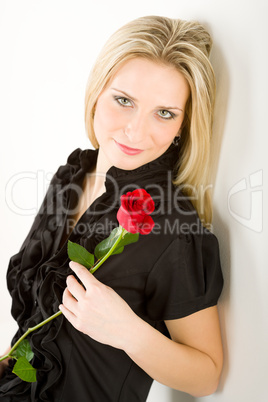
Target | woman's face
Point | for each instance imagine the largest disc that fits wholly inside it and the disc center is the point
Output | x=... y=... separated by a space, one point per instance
x=139 y=113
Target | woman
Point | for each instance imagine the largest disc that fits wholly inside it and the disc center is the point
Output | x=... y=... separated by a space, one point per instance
x=150 y=312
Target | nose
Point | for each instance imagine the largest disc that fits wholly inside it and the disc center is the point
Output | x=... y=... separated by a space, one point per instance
x=136 y=128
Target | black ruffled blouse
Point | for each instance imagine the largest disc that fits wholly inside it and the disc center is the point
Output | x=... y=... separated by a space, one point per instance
x=170 y=273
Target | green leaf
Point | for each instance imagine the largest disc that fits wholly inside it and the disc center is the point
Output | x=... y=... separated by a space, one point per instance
x=103 y=247
x=24 y=370
x=128 y=238
x=79 y=254
x=23 y=349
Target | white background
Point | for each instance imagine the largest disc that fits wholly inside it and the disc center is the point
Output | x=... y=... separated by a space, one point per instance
x=47 y=49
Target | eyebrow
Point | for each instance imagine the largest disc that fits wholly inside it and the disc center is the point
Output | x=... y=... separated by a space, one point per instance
x=160 y=107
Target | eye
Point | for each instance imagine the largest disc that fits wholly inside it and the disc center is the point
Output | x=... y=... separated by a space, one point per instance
x=165 y=114
x=123 y=101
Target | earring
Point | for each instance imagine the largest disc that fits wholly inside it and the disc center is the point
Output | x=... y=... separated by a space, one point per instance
x=176 y=140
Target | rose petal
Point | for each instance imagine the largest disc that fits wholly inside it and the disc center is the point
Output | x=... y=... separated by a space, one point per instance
x=125 y=220
x=147 y=225
x=134 y=212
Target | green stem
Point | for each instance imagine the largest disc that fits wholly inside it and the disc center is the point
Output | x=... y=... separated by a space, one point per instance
x=93 y=269
x=29 y=330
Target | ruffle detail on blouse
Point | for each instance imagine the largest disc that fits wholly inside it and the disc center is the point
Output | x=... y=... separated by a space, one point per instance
x=36 y=279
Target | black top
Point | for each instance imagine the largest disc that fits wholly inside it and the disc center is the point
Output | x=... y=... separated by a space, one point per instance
x=170 y=273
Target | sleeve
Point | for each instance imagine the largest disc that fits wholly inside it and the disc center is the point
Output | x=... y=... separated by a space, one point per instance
x=186 y=278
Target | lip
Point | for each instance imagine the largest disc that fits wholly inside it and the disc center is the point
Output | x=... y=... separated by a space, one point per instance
x=128 y=150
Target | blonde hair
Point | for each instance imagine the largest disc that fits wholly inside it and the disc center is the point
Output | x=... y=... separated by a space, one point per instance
x=186 y=46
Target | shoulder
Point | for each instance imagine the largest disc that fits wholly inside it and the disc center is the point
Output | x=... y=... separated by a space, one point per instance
x=175 y=217
x=179 y=237
x=78 y=160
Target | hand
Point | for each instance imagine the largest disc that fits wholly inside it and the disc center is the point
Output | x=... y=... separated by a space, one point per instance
x=97 y=310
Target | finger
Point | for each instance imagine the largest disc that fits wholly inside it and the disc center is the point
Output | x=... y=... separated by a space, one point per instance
x=83 y=274
x=69 y=301
x=68 y=314
x=75 y=288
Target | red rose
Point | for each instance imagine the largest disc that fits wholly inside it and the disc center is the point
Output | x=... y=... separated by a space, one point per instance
x=133 y=215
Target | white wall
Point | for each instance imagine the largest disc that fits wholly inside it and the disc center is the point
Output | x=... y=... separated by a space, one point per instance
x=46 y=49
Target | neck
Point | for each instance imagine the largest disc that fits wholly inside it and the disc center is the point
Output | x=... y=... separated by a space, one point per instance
x=99 y=174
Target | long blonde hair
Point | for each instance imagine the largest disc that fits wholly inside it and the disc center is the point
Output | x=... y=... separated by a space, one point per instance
x=185 y=45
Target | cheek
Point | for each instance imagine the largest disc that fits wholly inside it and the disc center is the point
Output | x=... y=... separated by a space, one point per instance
x=104 y=117
x=164 y=135
x=107 y=116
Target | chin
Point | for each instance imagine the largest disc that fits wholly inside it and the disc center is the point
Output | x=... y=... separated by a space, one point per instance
x=126 y=162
